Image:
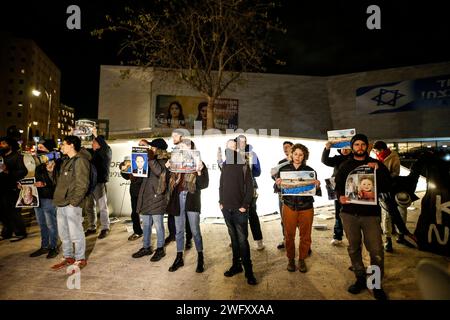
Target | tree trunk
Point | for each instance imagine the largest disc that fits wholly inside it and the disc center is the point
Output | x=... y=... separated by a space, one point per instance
x=210 y=116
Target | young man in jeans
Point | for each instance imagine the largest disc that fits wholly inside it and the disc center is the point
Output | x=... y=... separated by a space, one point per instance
x=72 y=185
x=235 y=198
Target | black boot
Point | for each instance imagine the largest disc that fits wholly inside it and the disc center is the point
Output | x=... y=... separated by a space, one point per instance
x=177 y=263
x=234 y=269
x=249 y=274
x=388 y=245
x=200 y=263
x=358 y=286
x=159 y=254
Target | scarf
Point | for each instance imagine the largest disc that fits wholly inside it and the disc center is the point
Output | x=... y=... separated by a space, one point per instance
x=383 y=155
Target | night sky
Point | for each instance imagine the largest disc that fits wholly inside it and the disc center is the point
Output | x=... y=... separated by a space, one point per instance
x=324 y=38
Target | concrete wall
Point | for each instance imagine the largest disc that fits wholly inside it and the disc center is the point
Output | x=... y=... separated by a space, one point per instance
x=409 y=124
x=296 y=105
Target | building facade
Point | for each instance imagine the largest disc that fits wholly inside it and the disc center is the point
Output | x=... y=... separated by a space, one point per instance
x=66 y=120
x=30 y=90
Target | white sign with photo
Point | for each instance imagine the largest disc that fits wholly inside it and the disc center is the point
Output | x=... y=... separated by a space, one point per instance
x=84 y=128
x=340 y=139
x=298 y=183
x=185 y=161
x=28 y=196
x=139 y=161
x=361 y=186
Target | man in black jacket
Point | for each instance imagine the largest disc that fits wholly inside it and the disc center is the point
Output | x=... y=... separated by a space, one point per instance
x=101 y=159
x=11 y=171
x=235 y=198
x=335 y=162
x=361 y=220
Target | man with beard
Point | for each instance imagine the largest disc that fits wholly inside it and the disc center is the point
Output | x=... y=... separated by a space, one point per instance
x=362 y=221
x=12 y=170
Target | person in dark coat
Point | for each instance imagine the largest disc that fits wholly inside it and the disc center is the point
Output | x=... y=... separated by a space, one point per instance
x=152 y=200
x=185 y=194
x=11 y=171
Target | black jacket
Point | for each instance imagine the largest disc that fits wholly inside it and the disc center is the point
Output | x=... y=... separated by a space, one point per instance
x=135 y=182
x=101 y=159
x=193 y=200
x=299 y=203
x=16 y=171
x=236 y=186
x=41 y=174
x=151 y=200
x=335 y=161
x=384 y=184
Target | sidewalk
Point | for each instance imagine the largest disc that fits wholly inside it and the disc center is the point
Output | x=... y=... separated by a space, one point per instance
x=111 y=273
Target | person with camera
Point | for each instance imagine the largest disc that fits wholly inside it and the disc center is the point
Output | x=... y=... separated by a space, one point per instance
x=45 y=174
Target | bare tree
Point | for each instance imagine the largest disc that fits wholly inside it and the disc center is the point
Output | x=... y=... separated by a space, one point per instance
x=210 y=43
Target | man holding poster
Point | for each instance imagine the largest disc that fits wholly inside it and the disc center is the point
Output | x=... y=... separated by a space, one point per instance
x=362 y=217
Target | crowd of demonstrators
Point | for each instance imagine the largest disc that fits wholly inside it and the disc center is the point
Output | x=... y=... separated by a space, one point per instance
x=184 y=192
x=12 y=170
x=251 y=158
x=287 y=147
x=362 y=223
x=298 y=211
x=236 y=192
x=152 y=201
x=72 y=184
x=101 y=159
x=45 y=174
x=335 y=162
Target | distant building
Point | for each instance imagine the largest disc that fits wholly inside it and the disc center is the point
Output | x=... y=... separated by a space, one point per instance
x=30 y=90
x=66 y=120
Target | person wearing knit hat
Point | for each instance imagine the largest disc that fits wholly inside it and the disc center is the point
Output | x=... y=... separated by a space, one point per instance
x=362 y=221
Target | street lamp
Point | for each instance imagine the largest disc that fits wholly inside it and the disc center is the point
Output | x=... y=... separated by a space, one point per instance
x=37 y=93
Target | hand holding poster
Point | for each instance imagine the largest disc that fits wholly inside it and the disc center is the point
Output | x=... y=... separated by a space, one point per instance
x=28 y=197
x=341 y=138
x=298 y=183
x=361 y=186
x=83 y=128
x=139 y=161
x=185 y=161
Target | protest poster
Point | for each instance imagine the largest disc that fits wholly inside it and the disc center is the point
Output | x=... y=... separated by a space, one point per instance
x=126 y=165
x=331 y=188
x=340 y=139
x=28 y=196
x=139 y=161
x=298 y=183
x=184 y=161
x=361 y=186
x=83 y=128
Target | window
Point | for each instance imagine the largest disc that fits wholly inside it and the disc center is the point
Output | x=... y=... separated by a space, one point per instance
x=19 y=114
x=8 y=114
x=21 y=81
x=22 y=71
x=20 y=92
x=9 y=103
x=20 y=104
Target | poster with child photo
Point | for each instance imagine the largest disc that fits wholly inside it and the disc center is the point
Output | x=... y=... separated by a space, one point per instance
x=361 y=186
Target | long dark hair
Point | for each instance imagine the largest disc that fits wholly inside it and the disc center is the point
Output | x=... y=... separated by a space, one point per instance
x=200 y=106
x=180 y=117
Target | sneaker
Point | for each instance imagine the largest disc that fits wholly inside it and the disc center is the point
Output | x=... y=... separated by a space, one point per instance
x=159 y=254
x=336 y=242
x=142 y=252
x=134 y=236
x=39 y=252
x=64 y=262
x=280 y=246
x=103 y=233
x=260 y=245
x=302 y=266
x=52 y=253
x=233 y=270
x=88 y=232
x=291 y=265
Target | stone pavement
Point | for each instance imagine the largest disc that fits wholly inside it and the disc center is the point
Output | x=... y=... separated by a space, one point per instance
x=112 y=273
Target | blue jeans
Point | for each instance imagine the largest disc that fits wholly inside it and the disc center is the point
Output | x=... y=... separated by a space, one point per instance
x=46 y=218
x=70 y=229
x=148 y=220
x=194 y=222
x=237 y=224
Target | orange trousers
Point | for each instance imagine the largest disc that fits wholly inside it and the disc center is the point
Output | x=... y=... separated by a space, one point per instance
x=302 y=220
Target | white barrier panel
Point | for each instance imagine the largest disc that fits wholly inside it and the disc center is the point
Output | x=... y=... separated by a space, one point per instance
x=269 y=150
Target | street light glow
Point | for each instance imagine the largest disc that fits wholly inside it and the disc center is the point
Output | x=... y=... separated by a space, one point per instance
x=36 y=93
x=35 y=123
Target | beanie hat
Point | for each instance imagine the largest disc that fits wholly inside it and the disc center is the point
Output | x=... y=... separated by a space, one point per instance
x=359 y=136
x=159 y=143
